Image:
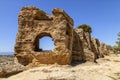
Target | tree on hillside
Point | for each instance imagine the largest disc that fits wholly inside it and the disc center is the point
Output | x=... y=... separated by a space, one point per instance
x=85 y=27
x=117 y=47
x=118 y=40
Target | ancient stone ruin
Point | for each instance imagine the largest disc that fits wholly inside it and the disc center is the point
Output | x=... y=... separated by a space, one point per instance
x=70 y=44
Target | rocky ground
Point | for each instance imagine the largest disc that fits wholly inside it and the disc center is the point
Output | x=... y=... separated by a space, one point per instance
x=6 y=58
x=107 y=68
x=8 y=67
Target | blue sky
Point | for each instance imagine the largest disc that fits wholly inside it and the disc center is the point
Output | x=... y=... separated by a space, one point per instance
x=102 y=15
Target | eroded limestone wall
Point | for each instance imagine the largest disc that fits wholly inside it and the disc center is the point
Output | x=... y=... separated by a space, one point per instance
x=69 y=44
x=35 y=24
x=87 y=45
x=77 y=53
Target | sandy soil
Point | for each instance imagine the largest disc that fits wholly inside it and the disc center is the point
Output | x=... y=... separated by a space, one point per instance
x=107 y=68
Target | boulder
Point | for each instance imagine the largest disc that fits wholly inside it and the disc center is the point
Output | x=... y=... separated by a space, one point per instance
x=9 y=68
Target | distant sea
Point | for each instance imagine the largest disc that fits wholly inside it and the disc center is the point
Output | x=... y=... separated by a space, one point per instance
x=6 y=53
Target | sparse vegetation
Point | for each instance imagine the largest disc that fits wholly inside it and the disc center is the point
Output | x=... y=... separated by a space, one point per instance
x=118 y=42
x=109 y=47
x=116 y=48
x=85 y=27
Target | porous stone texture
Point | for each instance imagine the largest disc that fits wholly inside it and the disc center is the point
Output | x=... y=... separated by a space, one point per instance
x=87 y=45
x=77 y=48
x=97 y=45
x=70 y=44
x=35 y=24
x=7 y=69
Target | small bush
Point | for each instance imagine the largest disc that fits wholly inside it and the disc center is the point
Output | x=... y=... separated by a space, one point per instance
x=85 y=27
x=116 y=49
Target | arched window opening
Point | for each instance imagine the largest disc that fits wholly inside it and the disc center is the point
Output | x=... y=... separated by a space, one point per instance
x=44 y=42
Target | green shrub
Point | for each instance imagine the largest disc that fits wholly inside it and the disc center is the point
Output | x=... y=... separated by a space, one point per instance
x=117 y=47
x=85 y=27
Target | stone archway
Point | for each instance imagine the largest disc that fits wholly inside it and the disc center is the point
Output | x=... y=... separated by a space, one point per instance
x=46 y=43
x=37 y=42
x=35 y=24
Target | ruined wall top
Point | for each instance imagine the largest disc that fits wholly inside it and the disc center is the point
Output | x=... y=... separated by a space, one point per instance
x=60 y=11
x=37 y=14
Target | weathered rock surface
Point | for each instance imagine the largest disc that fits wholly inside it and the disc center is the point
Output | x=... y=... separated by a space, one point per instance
x=87 y=45
x=97 y=46
x=9 y=69
x=77 y=51
x=70 y=44
x=35 y=24
x=92 y=47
